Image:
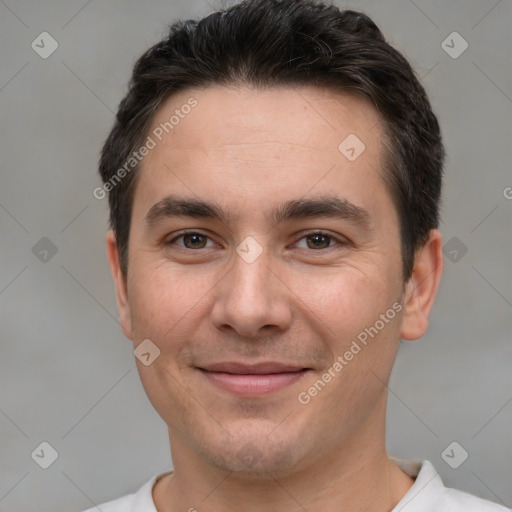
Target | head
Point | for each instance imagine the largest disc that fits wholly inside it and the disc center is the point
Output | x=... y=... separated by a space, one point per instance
x=298 y=126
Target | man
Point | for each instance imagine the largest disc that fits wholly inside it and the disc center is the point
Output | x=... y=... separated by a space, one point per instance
x=274 y=176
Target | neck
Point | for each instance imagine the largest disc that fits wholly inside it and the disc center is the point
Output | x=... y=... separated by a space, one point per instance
x=356 y=475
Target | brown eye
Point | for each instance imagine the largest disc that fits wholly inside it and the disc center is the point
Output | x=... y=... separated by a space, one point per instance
x=318 y=241
x=191 y=240
x=194 y=241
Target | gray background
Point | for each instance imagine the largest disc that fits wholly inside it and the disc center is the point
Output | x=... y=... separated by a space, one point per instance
x=68 y=375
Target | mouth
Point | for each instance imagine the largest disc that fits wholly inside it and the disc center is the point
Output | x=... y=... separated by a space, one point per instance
x=252 y=380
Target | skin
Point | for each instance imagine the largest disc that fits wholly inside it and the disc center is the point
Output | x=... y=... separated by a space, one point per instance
x=249 y=151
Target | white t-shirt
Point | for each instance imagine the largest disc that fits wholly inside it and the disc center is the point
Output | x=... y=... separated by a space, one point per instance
x=428 y=494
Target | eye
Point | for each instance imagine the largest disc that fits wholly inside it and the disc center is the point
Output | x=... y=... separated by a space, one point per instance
x=194 y=240
x=191 y=240
x=320 y=240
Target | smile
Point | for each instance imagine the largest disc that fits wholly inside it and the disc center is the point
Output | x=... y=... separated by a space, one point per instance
x=255 y=380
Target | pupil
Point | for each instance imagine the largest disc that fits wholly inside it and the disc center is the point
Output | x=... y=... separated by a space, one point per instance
x=194 y=239
x=318 y=240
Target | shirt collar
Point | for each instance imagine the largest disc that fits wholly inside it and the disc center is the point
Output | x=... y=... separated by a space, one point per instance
x=426 y=489
x=420 y=497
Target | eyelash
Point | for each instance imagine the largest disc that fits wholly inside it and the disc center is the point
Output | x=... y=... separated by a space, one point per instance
x=339 y=242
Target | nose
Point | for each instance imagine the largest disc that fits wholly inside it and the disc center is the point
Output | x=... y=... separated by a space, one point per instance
x=252 y=298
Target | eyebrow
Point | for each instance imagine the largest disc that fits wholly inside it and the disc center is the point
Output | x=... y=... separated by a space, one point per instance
x=325 y=206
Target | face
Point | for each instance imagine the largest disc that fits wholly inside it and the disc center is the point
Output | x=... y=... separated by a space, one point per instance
x=265 y=266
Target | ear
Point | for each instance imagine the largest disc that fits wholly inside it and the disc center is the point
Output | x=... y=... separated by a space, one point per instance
x=422 y=287
x=123 y=305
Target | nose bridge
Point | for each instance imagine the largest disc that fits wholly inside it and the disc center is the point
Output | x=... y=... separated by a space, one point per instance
x=251 y=278
x=249 y=297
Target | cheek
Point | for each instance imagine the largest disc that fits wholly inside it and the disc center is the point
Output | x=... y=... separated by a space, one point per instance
x=158 y=299
x=346 y=297
x=168 y=302
x=345 y=308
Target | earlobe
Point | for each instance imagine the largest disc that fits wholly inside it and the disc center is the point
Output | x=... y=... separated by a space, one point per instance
x=123 y=305
x=421 y=289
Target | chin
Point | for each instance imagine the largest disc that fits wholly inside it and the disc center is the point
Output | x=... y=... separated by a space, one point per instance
x=268 y=467
x=255 y=457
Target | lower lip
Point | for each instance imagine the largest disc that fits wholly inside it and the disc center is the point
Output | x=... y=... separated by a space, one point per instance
x=252 y=385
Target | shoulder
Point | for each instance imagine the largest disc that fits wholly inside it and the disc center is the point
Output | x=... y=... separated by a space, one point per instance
x=123 y=504
x=140 y=501
x=429 y=494
x=453 y=500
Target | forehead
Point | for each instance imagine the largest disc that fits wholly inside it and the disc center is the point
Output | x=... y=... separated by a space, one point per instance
x=233 y=114
x=256 y=142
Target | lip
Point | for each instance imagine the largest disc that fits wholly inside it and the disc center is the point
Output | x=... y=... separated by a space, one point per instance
x=263 y=368
x=252 y=380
